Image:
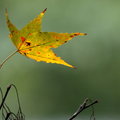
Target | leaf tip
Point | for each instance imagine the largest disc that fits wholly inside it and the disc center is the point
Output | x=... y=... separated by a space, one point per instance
x=71 y=66
x=74 y=67
x=44 y=10
x=82 y=34
x=6 y=12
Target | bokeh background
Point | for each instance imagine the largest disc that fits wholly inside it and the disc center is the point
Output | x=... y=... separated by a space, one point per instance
x=51 y=91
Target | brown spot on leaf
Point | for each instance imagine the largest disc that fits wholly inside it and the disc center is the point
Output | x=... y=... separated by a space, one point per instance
x=25 y=54
x=12 y=31
x=38 y=45
x=28 y=43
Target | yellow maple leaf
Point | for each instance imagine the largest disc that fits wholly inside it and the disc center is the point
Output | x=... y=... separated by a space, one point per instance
x=33 y=43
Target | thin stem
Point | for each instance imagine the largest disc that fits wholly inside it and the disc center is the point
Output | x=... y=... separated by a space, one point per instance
x=8 y=58
x=17 y=97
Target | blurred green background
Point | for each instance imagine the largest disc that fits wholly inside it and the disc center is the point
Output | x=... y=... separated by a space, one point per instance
x=51 y=90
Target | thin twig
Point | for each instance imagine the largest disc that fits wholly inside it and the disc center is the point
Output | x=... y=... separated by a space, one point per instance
x=3 y=100
x=8 y=58
x=8 y=115
x=93 y=112
x=20 y=110
x=82 y=107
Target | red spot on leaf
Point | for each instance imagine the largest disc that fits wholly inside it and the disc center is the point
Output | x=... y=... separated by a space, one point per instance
x=76 y=34
x=38 y=52
x=23 y=39
x=57 y=37
x=30 y=33
x=51 y=46
x=72 y=36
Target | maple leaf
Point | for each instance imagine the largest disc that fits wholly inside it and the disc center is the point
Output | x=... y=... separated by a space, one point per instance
x=31 y=42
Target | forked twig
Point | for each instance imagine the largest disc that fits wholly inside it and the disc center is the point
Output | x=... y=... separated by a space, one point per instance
x=82 y=107
x=7 y=114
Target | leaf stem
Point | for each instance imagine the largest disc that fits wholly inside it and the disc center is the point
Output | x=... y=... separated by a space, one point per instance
x=8 y=58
